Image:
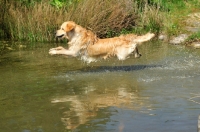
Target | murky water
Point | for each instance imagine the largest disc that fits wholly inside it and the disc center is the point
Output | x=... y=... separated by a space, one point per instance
x=43 y=93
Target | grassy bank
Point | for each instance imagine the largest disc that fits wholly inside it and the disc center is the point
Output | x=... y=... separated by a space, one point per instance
x=37 y=20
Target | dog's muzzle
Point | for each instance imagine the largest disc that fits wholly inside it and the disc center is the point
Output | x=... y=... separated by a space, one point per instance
x=59 y=36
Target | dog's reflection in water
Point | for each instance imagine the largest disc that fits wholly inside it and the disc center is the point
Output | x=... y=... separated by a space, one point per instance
x=84 y=107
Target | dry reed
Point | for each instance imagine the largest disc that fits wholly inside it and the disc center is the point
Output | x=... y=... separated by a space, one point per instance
x=39 y=22
x=106 y=18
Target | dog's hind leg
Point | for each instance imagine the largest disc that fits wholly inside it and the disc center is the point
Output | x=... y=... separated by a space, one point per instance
x=137 y=54
x=122 y=53
x=134 y=49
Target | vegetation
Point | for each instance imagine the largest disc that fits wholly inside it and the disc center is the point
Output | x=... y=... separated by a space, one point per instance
x=195 y=37
x=37 y=20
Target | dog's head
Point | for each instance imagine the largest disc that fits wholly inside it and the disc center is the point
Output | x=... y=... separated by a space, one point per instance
x=64 y=29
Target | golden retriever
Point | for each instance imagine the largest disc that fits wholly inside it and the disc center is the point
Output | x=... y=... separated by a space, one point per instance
x=86 y=44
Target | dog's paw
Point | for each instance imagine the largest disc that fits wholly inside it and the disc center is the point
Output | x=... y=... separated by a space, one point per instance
x=56 y=50
x=138 y=55
x=52 y=52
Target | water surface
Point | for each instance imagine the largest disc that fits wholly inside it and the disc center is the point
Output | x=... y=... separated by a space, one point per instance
x=43 y=93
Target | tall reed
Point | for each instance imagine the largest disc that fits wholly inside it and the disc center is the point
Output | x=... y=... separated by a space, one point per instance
x=107 y=18
x=102 y=17
x=38 y=23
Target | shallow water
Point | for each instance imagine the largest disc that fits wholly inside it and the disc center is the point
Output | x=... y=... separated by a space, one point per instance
x=43 y=93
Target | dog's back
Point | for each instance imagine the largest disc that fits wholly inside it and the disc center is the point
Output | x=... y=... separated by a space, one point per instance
x=85 y=43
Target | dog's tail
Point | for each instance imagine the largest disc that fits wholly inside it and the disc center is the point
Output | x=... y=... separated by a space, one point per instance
x=143 y=38
x=137 y=39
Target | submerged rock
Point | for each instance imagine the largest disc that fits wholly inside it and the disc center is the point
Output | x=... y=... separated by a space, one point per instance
x=162 y=37
x=21 y=46
x=179 y=39
x=196 y=45
x=9 y=48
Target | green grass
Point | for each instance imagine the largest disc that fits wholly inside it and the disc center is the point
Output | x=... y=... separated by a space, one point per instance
x=194 y=37
x=38 y=20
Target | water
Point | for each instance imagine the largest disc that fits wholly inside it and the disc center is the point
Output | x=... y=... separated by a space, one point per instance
x=43 y=93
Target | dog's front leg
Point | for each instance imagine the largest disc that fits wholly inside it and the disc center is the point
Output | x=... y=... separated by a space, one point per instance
x=62 y=51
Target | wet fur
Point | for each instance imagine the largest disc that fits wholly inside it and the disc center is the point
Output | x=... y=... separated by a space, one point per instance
x=86 y=44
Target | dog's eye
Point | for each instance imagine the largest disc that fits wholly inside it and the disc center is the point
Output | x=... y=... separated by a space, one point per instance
x=62 y=28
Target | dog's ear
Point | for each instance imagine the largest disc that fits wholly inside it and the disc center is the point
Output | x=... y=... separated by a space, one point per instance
x=69 y=26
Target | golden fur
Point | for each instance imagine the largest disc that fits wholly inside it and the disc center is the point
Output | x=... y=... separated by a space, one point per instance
x=86 y=44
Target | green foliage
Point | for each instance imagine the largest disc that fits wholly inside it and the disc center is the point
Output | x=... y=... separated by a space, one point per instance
x=62 y=3
x=112 y=33
x=169 y=5
x=153 y=25
x=194 y=36
x=173 y=29
x=126 y=31
x=36 y=20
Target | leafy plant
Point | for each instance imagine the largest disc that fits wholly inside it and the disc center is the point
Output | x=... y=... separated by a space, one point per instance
x=194 y=37
x=61 y=3
x=36 y=20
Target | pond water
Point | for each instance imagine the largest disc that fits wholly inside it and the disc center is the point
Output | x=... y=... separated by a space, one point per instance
x=158 y=92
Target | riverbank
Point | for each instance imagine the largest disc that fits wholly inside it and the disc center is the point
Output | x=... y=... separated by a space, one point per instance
x=36 y=20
